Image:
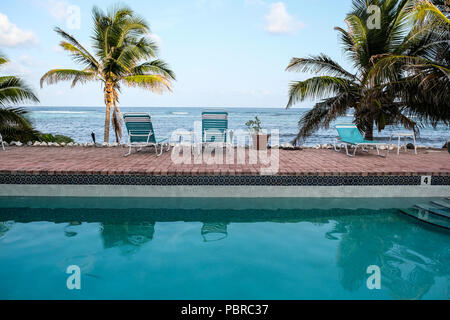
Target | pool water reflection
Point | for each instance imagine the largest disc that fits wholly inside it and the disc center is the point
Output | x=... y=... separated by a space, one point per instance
x=220 y=254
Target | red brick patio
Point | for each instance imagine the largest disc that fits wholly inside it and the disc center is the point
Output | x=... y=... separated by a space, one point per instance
x=54 y=160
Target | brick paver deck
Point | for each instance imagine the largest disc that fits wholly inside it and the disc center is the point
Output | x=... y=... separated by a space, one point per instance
x=47 y=160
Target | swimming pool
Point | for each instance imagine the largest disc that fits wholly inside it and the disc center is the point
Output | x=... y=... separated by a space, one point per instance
x=219 y=249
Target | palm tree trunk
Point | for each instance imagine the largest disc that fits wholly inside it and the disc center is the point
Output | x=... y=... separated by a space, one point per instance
x=368 y=133
x=109 y=103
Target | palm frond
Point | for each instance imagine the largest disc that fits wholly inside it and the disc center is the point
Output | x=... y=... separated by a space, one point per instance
x=14 y=91
x=318 y=64
x=317 y=88
x=321 y=115
x=70 y=39
x=154 y=67
x=155 y=83
x=57 y=75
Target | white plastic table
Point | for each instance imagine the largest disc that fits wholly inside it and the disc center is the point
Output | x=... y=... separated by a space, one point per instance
x=405 y=135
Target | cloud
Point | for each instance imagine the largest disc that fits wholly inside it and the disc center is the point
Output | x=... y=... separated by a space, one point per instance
x=61 y=11
x=13 y=36
x=279 y=21
x=156 y=39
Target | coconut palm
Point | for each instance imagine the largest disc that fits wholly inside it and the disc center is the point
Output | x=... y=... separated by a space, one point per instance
x=13 y=122
x=423 y=83
x=123 y=54
x=340 y=90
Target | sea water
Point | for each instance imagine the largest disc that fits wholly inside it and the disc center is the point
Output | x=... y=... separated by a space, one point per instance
x=79 y=122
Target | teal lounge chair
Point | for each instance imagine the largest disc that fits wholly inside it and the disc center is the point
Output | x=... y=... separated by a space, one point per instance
x=215 y=126
x=141 y=134
x=349 y=135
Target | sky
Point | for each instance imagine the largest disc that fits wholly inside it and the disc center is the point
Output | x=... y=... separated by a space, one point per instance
x=225 y=53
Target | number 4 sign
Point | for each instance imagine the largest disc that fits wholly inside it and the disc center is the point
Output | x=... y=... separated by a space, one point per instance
x=425 y=181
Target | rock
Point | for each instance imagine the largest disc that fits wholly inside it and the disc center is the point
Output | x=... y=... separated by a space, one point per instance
x=317 y=146
x=44 y=144
x=6 y=143
x=29 y=143
x=421 y=147
x=445 y=146
x=115 y=144
x=62 y=144
x=382 y=147
x=410 y=146
x=19 y=144
x=36 y=144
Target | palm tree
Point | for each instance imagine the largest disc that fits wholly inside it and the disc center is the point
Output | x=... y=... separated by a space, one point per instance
x=340 y=90
x=423 y=84
x=13 y=122
x=124 y=54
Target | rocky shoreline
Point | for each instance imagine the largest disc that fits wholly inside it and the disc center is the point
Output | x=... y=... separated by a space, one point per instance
x=285 y=146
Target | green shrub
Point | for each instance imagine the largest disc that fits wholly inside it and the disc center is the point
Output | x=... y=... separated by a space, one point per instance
x=58 y=138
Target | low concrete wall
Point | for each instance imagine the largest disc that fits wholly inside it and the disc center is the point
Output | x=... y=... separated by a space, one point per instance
x=199 y=191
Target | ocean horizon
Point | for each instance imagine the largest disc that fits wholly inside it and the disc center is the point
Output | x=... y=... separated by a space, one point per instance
x=78 y=122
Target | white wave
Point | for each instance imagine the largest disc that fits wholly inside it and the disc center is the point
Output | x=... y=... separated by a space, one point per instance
x=61 y=112
x=179 y=113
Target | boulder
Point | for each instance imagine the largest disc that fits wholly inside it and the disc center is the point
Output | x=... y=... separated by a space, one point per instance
x=36 y=144
x=29 y=143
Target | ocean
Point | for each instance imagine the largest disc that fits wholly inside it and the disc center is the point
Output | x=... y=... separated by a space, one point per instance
x=79 y=122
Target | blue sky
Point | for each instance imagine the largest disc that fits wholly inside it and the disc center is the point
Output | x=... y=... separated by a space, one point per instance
x=228 y=53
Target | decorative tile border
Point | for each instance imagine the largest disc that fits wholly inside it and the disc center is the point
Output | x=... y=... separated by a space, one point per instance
x=101 y=179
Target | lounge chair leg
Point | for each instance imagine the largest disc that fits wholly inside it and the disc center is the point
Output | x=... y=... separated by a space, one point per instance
x=354 y=152
x=129 y=152
x=346 y=151
x=336 y=147
x=161 y=150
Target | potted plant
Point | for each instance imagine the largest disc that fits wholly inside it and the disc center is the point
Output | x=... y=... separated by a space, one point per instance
x=259 y=138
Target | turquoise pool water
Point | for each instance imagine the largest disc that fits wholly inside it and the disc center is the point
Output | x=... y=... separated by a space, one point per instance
x=220 y=249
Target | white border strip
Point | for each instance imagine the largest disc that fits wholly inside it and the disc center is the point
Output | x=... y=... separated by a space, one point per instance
x=146 y=191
